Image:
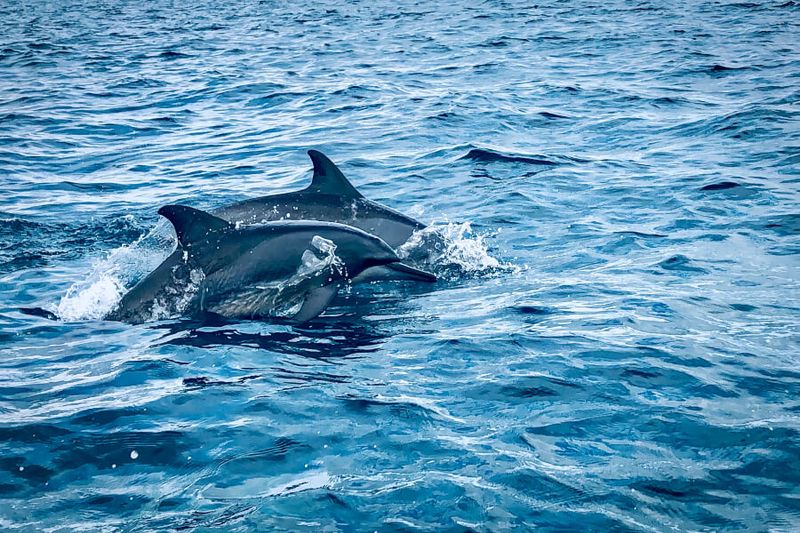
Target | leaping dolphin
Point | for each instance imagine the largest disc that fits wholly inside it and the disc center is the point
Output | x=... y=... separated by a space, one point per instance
x=248 y=272
x=330 y=197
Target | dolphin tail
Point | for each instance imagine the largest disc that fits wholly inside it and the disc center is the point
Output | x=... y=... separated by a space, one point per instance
x=403 y=271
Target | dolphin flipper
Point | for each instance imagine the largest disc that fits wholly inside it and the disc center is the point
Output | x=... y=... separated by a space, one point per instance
x=328 y=179
x=317 y=300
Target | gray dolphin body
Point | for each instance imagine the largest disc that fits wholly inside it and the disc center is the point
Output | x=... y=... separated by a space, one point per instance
x=330 y=197
x=251 y=271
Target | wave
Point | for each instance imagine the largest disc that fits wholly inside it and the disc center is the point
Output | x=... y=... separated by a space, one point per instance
x=758 y=122
x=32 y=243
x=720 y=186
x=491 y=156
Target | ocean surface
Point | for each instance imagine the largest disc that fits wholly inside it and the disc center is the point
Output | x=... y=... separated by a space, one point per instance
x=613 y=344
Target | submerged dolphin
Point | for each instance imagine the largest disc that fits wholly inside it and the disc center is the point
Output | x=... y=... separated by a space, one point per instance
x=330 y=197
x=248 y=272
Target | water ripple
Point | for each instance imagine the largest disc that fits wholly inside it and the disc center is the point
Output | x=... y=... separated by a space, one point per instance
x=612 y=194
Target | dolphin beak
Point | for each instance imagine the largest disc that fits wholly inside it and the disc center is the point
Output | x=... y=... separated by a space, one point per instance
x=411 y=273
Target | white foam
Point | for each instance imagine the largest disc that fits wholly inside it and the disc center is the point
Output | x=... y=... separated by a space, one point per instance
x=96 y=295
x=450 y=250
x=90 y=300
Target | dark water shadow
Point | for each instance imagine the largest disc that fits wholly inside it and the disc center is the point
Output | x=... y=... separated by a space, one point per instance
x=350 y=327
x=341 y=333
x=323 y=340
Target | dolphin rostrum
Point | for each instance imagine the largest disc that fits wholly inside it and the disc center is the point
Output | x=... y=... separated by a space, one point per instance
x=251 y=271
x=330 y=197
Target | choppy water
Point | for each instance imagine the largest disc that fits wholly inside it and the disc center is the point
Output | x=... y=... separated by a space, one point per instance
x=631 y=167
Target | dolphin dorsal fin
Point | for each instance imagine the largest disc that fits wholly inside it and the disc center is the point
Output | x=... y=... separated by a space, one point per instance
x=192 y=225
x=328 y=179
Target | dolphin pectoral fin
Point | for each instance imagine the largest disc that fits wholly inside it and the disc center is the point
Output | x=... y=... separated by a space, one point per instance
x=403 y=271
x=328 y=179
x=317 y=300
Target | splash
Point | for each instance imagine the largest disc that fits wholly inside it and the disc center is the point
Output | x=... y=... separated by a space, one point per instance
x=91 y=299
x=451 y=251
x=96 y=295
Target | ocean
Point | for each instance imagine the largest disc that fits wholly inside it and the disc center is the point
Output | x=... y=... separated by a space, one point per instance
x=613 y=341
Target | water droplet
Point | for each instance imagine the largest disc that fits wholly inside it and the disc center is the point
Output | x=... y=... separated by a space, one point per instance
x=21 y=468
x=134 y=454
x=113 y=466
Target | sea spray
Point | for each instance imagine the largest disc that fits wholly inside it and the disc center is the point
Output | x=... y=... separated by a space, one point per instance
x=92 y=297
x=451 y=250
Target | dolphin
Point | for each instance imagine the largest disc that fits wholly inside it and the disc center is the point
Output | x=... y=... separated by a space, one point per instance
x=330 y=197
x=249 y=272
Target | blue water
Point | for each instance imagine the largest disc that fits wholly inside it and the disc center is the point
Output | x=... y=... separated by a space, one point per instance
x=613 y=345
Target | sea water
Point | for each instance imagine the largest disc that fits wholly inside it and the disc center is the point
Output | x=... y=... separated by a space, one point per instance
x=612 y=189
